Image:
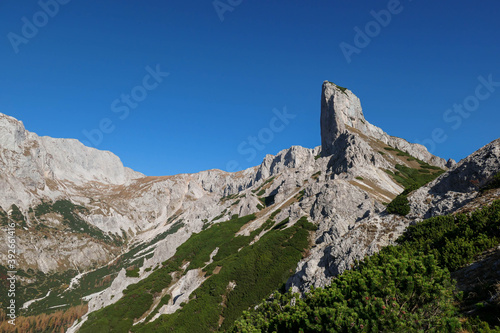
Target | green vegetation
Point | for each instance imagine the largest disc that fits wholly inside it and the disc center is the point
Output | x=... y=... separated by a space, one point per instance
x=493 y=183
x=317 y=157
x=399 y=205
x=172 y=230
x=251 y=270
x=360 y=178
x=4 y=218
x=339 y=87
x=276 y=212
x=261 y=193
x=431 y=167
x=198 y=247
x=300 y=195
x=268 y=201
x=18 y=217
x=386 y=293
x=268 y=224
x=229 y=197
x=137 y=299
x=404 y=288
x=411 y=179
x=45 y=282
x=73 y=221
x=455 y=240
x=134 y=272
x=89 y=283
x=316 y=175
x=220 y=216
x=164 y=300
x=270 y=180
x=282 y=224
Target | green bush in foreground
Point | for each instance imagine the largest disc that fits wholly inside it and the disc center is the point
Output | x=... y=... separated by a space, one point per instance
x=400 y=205
x=455 y=239
x=386 y=293
x=404 y=288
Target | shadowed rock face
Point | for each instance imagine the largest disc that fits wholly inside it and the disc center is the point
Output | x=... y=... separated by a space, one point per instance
x=473 y=172
x=332 y=126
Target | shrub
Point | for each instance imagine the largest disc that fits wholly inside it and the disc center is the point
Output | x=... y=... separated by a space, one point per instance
x=276 y=212
x=400 y=205
x=403 y=288
x=386 y=293
x=493 y=183
x=134 y=272
x=316 y=175
x=454 y=240
x=255 y=272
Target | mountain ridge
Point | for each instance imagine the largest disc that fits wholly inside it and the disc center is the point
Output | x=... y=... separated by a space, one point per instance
x=137 y=224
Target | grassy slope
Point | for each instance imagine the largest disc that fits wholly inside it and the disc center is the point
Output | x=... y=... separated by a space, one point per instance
x=411 y=179
x=253 y=268
x=90 y=283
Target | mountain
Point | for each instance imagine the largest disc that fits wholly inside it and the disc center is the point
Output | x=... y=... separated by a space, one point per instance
x=137 y=249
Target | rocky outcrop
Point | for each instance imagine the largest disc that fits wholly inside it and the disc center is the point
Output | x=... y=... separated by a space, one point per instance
x=457 y=187
x=341 y=110
x=353 y=226
x=471 y=173
x=32 y=166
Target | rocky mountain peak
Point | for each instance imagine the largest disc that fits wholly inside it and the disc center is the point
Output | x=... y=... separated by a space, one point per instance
x=341 y=112
x=32 y=165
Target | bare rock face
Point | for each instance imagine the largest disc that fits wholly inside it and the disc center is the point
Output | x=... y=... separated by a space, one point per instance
x=473 y=172
x=352 y=226
x=458 y=186
x=31 y=164
x=341 y=110
x=335 y=104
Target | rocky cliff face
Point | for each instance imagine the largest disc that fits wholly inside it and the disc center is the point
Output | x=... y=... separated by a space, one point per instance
x=341 y=110
x=341 y=187
x=34 y=166
x=336 y=249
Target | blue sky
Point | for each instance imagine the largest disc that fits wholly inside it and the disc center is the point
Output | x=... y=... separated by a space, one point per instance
x=66 y=72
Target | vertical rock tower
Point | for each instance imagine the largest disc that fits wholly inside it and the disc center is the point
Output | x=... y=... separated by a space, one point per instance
x=341 y=112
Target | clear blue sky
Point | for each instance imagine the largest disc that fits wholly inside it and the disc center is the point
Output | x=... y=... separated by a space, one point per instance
x=226 y=77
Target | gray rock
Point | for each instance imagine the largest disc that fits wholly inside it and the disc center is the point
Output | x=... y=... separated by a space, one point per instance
x=341 y=111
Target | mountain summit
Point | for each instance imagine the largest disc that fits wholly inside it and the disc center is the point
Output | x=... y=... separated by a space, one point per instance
x=341 y=111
